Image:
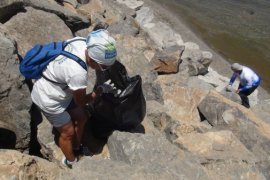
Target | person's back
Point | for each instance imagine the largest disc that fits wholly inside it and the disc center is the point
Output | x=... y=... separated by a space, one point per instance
x=60 y=92
x=249 y=81
x=248 y=77
x=54 y=98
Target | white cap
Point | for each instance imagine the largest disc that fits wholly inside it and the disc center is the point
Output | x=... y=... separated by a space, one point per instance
x=236 y=67
x=101 y=47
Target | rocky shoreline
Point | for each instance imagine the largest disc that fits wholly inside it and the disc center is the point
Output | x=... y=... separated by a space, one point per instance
x=220 y=64
x=193 y=129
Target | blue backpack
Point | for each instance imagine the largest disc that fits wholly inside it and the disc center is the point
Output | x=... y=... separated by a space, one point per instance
x=39 y=56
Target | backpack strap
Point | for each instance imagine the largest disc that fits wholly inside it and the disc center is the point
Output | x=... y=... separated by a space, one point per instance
x=52 y=80
x=75 y=58
x=65 y=43
x=70 y=56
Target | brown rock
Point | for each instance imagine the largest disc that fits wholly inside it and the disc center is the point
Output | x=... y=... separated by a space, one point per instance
x=168 y=60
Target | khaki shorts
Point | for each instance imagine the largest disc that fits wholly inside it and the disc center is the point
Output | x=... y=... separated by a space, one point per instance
x=58 y=120
x=61 y=119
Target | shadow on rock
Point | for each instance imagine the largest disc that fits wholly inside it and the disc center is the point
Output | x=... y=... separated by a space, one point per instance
x=96 y=134
x=36 y=119
x=7 y=139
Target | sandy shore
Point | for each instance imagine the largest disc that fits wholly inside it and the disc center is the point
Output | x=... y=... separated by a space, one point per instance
x=219 y=64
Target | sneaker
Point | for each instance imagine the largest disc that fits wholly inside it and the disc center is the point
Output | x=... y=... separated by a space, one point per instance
x=86 y=151
x=68 y=164
x=82 y=151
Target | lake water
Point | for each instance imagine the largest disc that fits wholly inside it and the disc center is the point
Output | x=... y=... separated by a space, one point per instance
x=237 y=29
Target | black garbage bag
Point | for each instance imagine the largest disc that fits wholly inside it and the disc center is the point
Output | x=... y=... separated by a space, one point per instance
x=124 y=112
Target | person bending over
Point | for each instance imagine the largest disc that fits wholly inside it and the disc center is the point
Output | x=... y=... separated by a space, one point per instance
x=61 y=91
x=249 y=81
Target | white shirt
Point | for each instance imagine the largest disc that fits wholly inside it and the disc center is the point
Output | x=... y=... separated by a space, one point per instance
x=54 y=98
x=247 y=78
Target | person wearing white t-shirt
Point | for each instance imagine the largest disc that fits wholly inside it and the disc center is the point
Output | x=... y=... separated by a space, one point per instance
x=61 y=92
x=249 y=81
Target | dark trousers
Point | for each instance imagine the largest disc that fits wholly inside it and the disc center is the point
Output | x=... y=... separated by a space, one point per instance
x=244 y=95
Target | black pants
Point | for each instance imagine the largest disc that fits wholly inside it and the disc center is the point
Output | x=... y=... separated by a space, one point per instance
x=244 y=95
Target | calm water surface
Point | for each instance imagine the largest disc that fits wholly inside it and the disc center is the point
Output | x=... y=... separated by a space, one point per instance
x=237 y=29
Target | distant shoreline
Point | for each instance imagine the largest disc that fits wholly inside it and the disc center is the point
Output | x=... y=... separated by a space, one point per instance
x=219 y=64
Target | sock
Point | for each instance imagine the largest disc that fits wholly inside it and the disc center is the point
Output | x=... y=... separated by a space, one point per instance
x=72 y=162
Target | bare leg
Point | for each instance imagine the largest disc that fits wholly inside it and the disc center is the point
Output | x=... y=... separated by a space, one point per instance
x=79 y=118
x=65 y=140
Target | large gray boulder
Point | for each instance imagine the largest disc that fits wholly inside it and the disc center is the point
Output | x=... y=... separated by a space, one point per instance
x=263 y=110
x=8 y=8
x=15 y=100
x=152 y=91
x=132 y=4
x=222 y=154
x=198 y=61
x=73 y=20
x=144 y=16
x=181 y=102
x=131 y=54
x=125 y=26
x=74 y=3
x=153 y=152
x=15 y=165
x=162 y=35
x=120 y=18
x=138 y=156
x=252 y=131
x=83 y=1
x=48 y=142
x=36 y=26
x=91 y=168
x=195 y=82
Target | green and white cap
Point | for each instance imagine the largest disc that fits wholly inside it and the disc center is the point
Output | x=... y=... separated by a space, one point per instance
x=101 y=47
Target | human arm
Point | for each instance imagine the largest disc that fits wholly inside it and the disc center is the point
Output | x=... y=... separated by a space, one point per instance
x=244 y=88
x=229 y=86
x=81 y=98
x=78 y=85
x=234 y=76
